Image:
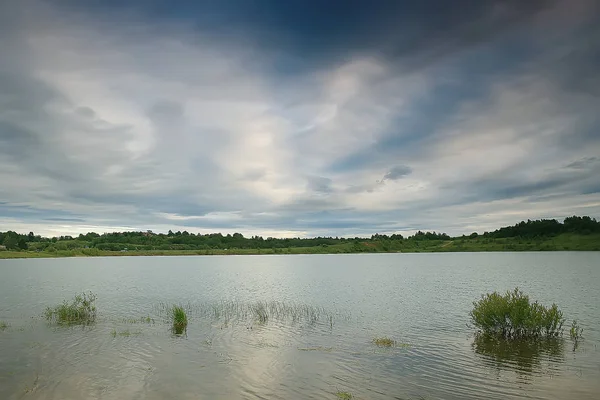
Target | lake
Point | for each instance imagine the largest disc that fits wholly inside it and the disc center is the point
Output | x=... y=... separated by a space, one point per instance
x=324 y=312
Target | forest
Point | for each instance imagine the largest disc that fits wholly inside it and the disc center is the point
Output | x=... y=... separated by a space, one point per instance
x=574 y=233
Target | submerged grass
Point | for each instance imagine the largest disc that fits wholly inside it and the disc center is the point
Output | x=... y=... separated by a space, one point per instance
x=384 y=342
x=264 y=311
x=141 y=320
x=179 y=320
x=318 y=348
x=125 y=333
x=576 y=331
x=3 y=325
x=344 y=395
x=257 y=311
x=80 y=311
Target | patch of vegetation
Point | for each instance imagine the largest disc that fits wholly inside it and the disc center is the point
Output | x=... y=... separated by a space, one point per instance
x=264 y=311
x=3 y=325
x=141 y=320
x=80 y=311
x=384 y=342
x=344 y=395
x=259 y=310
x=576 y=331
x=179 y=320
x=318 y=348
x=514 y=316
x=125 y=333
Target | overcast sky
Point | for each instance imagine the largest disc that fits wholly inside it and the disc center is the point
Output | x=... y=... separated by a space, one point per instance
x=297 y=118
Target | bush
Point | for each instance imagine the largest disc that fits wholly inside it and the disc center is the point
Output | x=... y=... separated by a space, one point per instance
x=81 y=311
x=513 y=316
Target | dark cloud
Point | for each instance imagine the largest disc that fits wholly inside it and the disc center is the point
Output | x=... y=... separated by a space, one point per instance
x=310 y=33
x=397 y=172
x=85 y=112
x=319 y=184
x=584 y=163
x=368 y=188
x=57 y=219
x=577 y=178
x=166 y=112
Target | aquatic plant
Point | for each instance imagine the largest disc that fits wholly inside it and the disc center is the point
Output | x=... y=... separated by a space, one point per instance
x=80 y=311
x=514 y=316
x=344 y=395
x=125 y=333
x=179 y=320
x=259 y=310
x=232 y=311
x=141 y=320
x=384 y=342
x=576 y=331
x=3 y=325
x=318 y=348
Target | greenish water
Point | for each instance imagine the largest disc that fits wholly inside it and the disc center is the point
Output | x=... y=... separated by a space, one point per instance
x=323 y=313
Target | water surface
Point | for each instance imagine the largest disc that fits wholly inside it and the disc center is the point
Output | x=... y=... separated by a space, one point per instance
x=420 y=300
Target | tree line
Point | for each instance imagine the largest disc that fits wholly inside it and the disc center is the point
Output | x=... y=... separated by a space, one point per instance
x=148 y=240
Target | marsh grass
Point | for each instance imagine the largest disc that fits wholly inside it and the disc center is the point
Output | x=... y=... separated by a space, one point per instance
x=125 y=333
x=264 y=311
x=80 y=311
x=179 y=320
x=514 y=316
x=3 y=325
x=576 y=331
x=384 y=342
x=141 y=320
x=260 y=312
x=344 y=395
x=318 y=348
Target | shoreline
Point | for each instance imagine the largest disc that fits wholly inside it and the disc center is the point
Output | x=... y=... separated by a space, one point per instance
x=13 y=255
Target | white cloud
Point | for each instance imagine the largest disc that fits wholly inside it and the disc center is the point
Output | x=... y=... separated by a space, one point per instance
x=118 y=122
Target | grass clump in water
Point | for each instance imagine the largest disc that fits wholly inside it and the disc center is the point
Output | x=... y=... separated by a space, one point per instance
x=80 y=311
x=125 y=333
x=3 y=325
x=142 y=320
x=259 y=310
x=576 y=331
x=344 y=395
x=384 y=342
x=179 y=320
x=514 y=316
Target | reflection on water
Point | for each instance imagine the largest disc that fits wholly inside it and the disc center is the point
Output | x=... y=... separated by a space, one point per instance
x=293 y=328
x=523 y=356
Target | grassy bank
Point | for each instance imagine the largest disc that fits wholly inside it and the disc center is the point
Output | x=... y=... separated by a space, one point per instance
x=564 y=242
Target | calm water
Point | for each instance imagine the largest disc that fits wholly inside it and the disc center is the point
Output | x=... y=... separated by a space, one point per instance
x=420 y=300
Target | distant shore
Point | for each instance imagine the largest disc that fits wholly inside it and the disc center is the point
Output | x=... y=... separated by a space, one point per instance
x=565 y=242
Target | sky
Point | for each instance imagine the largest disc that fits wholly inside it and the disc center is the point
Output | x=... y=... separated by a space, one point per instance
x=297 y=118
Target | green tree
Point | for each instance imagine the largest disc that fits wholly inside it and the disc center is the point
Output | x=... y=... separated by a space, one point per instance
x=11 y=242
